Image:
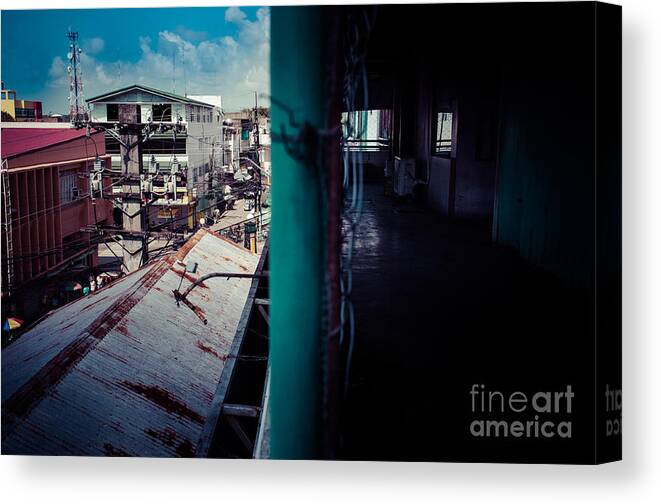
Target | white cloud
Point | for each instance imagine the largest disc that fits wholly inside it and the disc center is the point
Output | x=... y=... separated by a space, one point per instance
x=234 y=15
x=233 y=67
x=57 y=68
x=94 y=45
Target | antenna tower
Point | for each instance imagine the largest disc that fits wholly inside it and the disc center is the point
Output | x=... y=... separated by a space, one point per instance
x=76 y=98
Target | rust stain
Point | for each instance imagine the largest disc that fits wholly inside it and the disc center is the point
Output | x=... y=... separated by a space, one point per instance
x=196 y=309
x=164 y=399
x=209 y=350
x=124 y=331
x=111 y=451
x=200 y=313
x=167 y=436
x=188 y=246
x=206 y=393
x=26 y=397
x=121 y=328
x=185 y=449
x=188 y=277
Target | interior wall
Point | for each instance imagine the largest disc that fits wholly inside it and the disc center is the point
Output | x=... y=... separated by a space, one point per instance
x=546 y=178
x=438 y=189
x=475 y=167
x=462 y=184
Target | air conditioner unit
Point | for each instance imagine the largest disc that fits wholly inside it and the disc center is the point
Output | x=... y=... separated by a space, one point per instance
x=404 y=176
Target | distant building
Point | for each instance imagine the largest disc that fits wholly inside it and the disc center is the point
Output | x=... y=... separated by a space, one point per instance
x=20 y=110
x=46 y=204
x=246 y=139
x=198 y=149
x=55 y=118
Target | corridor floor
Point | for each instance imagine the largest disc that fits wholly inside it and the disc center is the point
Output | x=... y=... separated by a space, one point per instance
x=439 y=307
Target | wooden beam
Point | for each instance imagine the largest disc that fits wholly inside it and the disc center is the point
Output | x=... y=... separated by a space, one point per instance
x=264 y=314
x=241 y=410
x=243 y=437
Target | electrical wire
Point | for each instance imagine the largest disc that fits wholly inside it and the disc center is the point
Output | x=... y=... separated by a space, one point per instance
x=353 y=176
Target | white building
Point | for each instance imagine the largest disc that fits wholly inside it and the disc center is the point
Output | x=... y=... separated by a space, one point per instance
x=198 y=149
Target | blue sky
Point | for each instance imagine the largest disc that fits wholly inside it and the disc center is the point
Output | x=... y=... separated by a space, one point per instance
x=217 y=51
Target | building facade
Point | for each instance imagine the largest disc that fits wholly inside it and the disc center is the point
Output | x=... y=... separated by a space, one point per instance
x=20 y=110
x=251 y=140
x=198 y=150
x=47 y=207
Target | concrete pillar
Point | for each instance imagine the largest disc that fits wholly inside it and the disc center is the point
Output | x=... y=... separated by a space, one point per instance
x=297 y=239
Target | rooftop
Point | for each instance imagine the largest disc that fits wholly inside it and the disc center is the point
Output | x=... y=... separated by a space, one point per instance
x=17 y=141
x=140 y=87
x=125 y=371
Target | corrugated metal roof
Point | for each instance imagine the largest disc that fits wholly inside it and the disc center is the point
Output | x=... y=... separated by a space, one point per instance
x=16 y=141
x=125 y=371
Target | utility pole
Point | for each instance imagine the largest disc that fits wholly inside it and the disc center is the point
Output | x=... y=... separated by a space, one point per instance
x=256 y=127
x=134 y=245
x=258 y=194
x=138 y=189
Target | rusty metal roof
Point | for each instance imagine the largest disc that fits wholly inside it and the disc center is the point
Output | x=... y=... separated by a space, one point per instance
x=125 y=371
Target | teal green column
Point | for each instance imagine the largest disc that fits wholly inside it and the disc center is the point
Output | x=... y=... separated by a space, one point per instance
x=296 y=248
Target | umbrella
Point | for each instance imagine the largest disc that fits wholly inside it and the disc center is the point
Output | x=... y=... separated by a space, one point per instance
x=12 y=323
x=72 y=286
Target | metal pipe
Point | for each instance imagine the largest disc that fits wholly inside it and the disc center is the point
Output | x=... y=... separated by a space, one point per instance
x=197 y=282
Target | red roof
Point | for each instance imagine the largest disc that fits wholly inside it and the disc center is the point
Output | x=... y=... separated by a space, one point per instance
x=17 y=141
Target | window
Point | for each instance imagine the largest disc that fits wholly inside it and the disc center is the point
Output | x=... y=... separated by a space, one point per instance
x=25 y=112
x=159 y=143
x=161 y=112
x=112 y=111
x=112 y=145
x=68 y=187
x=367 y=130
x=443 y=143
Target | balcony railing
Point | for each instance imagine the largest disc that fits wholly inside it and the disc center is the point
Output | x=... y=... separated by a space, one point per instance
x=376 y=145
